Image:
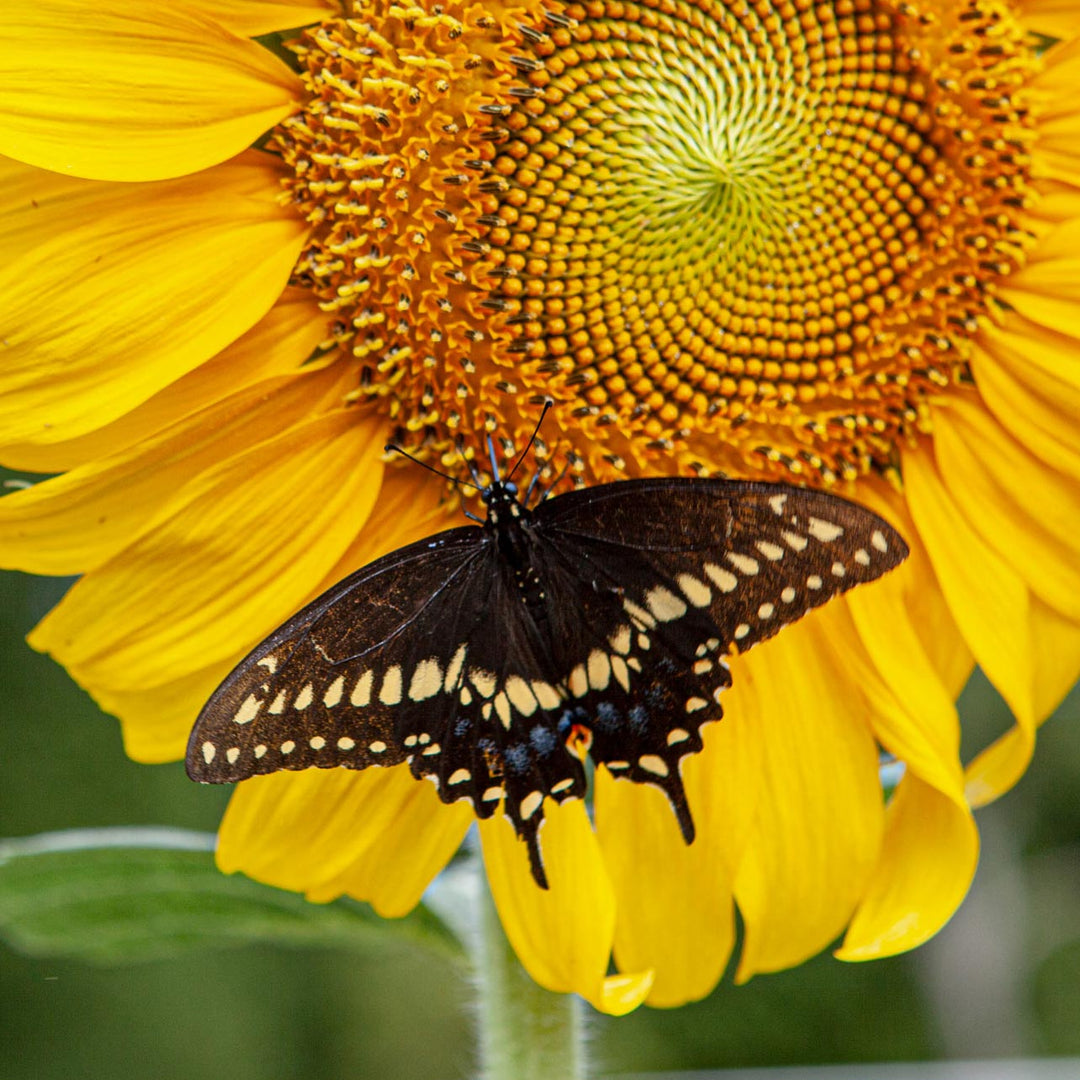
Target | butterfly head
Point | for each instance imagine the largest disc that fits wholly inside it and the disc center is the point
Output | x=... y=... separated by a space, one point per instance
x=502 y=502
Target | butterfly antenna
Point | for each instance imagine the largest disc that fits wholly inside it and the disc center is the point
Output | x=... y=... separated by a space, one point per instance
x=395 y=449
x=494 y=464
x=532 y=438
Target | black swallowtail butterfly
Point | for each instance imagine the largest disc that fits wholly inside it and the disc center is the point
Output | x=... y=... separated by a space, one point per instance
x=492 y=657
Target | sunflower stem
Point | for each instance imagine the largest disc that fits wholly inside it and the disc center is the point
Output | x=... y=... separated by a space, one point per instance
x=525 y=1031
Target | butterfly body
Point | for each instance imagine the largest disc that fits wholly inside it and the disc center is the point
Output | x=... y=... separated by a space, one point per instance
x=493 y=658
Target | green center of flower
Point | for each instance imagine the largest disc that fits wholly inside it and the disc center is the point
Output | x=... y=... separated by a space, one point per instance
x=751 y=238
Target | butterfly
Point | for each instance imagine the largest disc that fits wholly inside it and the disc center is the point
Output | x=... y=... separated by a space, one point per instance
x=495 y=658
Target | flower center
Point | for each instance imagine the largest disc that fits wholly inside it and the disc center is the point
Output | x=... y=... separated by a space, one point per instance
x=751 y=237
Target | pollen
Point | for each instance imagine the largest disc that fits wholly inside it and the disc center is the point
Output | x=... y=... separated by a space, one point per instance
x=743 y=237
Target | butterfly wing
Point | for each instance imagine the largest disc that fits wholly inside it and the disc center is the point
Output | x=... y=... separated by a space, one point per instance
x=675 y=574
x=343 y=680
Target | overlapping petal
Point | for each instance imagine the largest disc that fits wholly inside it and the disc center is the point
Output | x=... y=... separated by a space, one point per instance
x=250 y=18
x=376 y=835
x=145 y=284
x=1056 y=152
x=1055 y=18
x=122 y=91
x=563 y=935
x=675 y=904
x=818 y=829
x=236 y=551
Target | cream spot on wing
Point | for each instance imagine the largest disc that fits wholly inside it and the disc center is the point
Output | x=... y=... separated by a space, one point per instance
x=664 y=605
x=879 y=542
x=492 y=793
x=862 y=557
x=777 y=504
x=270 y=663
x=546 y=694
x=677 y=735
x=766 y=611
x=695 y=704
x=520 y=695
x=377 y=747
x=723 y=579
x=838 y=569
x=390 y=691
x=316 y=742
x=599 y=669
x=345 y=743
x=653 y=763
x=304 y=698
x=795 y=541
x=620 y=640
x=641 y=618
x=633 y=663
x=578 y=681
x=410 y=740
x=717 y=693
x=334 y=692
x=432 y=750
x=772 y=552
x=453 y=670
x=248 y=710
x=232 y=755
x=277 y=706
x=424 y=739
x=484 y=681
x=743 y=563
x=502 y=707
x=643 y=643
x=703 y=667
x=562 y=785
x=485 y=710
x=208 y=752
x=825 y=531
x=814 y=582
x=288 y=746
x=613 y=765
x=788 y=594
x=465 y=696
x=621 y=672
x=361 y=694
x=741 y=631
x=426 y=681
x=459 y=776
x=697 y=592
x=260 y=750
x=530 y=804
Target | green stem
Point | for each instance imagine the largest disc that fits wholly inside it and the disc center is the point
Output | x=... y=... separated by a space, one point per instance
x=526 y=1032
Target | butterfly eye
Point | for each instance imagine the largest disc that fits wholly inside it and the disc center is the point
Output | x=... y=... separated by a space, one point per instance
x=511 y=487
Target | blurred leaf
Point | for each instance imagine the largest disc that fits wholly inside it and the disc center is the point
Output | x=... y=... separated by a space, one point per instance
x=116 y=895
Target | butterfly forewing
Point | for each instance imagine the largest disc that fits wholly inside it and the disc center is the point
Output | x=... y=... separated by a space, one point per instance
x=493 y=659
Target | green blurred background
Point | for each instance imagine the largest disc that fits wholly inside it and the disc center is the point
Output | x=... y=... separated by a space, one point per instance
x=1002 y=980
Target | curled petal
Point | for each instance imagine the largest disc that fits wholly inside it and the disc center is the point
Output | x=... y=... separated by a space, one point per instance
x=562 y=935
x=378 y=835
x=928 y=859
x=121 y=91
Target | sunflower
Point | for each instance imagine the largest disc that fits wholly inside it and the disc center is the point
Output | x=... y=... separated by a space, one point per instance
x=830 y=243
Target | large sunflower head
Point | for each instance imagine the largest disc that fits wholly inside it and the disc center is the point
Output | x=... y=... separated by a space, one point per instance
x=829 y=243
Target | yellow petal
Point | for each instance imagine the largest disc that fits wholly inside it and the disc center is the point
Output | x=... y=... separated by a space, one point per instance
x=674 y=902
x=1028 y=513
x=102 y=316
x=563 y=934
x=251 y=18
x=121 y=91
x=1056 y=149
x=927 y=862
x=819 y=816
x=1056 y=648
x=236 y=551
x=280 y=342
x=378 y=835
x=73 y=523
x=988 y=598
x=1054 y=18
x=1047 y=288
x=1028 y=377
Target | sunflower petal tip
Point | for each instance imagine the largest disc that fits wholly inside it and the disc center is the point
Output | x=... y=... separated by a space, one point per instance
x=623 y=993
